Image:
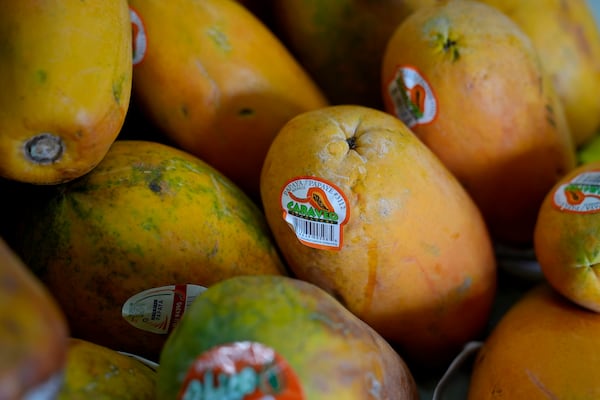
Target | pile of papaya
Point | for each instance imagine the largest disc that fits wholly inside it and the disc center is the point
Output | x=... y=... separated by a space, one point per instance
x=299 y=199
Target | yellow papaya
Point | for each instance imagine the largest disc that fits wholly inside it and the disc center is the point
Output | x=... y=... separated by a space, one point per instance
x=33 y=333
x=97 y=372
x=65 y=73
x=217 y=81
x=121 y=246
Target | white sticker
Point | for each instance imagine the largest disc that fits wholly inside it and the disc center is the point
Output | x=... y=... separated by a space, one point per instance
x=316 y=210
x=158 y=310
x=413 y=98
x=138 y=36
x=580 y=195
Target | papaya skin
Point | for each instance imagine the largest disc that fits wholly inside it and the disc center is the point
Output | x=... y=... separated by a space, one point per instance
x=416 y=262
x=66 y=75
x=567 y=39
x=499 y=127
x=219 y=83
x=567 y=244
x=33 y=329
x=341 y=42
x=94 y=371
x=149 y=215
x=542 y=348
x=333 y=353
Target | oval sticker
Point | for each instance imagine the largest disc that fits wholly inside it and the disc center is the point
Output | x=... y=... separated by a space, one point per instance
x=413 y=98
x=138 y=36
x=316 y=210
x=240 y=370
x=580 y=195
x=158 y=310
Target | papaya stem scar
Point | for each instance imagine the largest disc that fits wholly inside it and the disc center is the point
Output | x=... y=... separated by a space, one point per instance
x=44 y=148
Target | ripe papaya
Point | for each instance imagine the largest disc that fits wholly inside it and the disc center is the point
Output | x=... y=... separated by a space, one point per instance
x=362 y=208
x=66 y=75
x=126 y=246
x=97 y=372
x=217 y=81
x=33 y=333
x=278 y=338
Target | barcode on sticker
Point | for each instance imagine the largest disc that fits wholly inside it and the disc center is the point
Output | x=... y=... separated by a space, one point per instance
x=321 y=232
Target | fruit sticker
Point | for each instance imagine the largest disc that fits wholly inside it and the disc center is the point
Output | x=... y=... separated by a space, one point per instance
x=240 y=370
x=413 y=98
x=316 y=210
x=158 y=310
x=138 y=36
x=580 y=195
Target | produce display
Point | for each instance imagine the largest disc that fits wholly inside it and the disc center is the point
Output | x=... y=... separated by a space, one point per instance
x=299 y=199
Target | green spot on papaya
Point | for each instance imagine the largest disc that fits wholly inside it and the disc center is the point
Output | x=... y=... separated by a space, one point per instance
x=219 y=38
x=41 y=76
x=117 y=89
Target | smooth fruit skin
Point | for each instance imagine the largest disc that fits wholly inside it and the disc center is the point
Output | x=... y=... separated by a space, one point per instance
x=416 y=262
x=97 y=372
x=567 y=39
x=147 y=216
x=334 y=354
x=499 y=126
x=544 y=347
x=66 y=76
x=567 y=243
x=33 y=331
x=219 y=83
x=341 y=42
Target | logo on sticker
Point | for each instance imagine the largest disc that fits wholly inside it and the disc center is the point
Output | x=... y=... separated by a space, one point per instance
x=240 y=370
x=413 y=98
x=138 y=36
x=316 y=210
x=580 y=195
x=159 y=310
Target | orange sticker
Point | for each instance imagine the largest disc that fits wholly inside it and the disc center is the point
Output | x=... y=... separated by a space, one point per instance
x=414 y=101
x=240 y=370
x=316 y=210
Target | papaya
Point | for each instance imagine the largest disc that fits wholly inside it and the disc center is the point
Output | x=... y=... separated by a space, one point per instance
x=217 y=81
x=359 y=206
x=33 y=333
x=138 y=237
x=341 y=42
x=567 y=39
x=469 y=83
x=279 y=337
x=543 y=347
x=567 y=236
x=97 y=372
x=66 y=76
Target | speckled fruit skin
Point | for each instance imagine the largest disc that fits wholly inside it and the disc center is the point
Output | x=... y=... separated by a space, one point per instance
x=417 y=261
x=65 y=70
x=147 y=216
x=219 y=83
x=542 y=348
x=499 y=127
x=567 y=244
x=567 y=39
x=33 y=331
x=97 y=372
x=334 y=354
